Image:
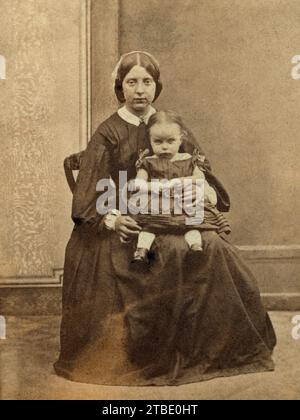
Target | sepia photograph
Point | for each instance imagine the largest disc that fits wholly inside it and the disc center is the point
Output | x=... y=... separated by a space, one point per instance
x=150 y=186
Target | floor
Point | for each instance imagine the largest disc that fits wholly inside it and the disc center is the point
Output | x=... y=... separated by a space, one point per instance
x=31 y=346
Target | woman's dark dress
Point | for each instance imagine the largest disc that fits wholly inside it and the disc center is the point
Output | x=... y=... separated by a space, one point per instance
x=183 y=320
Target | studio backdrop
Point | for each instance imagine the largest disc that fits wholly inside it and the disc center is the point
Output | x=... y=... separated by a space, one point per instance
x=229 y=72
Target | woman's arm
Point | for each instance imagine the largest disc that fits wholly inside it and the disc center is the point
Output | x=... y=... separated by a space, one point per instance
x=95 y=166
x=210 y=194
x=190 y=144
x=223 y=199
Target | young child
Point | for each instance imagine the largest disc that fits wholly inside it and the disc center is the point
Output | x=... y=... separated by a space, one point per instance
x=167 y=132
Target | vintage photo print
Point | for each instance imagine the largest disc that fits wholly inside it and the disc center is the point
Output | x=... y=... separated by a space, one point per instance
x=149 y=235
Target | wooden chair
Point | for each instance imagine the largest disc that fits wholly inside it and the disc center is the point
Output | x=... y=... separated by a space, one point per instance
x=72 y=163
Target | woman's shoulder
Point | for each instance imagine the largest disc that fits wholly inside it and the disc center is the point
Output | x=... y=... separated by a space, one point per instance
x=110 y=130
x=182 y=157
x=110 y=124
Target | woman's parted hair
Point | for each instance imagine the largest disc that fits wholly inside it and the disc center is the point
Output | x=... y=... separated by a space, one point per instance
x=127 y=62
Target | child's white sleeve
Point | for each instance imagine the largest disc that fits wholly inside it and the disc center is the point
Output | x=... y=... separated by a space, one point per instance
x=210 y=194
x=142 y=174
x=198 y=173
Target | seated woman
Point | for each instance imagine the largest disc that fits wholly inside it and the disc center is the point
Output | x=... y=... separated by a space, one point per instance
x=181 y=321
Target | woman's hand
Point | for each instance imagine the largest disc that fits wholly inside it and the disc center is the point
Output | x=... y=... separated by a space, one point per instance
x=127 y=227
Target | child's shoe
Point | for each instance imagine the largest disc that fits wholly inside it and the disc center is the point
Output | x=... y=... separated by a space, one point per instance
x=196 y=248
x=141 y=257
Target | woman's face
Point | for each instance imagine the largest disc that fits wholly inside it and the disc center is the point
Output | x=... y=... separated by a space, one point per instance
x=139 y=90
x=166 y=139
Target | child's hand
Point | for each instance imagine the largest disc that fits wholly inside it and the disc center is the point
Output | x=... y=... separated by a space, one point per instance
x=175 y=183
x=138 y=185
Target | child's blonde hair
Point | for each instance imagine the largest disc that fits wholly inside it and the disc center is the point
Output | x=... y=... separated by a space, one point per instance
x=162 y=117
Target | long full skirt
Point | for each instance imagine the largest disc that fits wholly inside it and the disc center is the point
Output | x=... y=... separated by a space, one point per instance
x=184 y=318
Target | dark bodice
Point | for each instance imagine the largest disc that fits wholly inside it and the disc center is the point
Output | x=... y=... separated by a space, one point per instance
x=115 y=147
x=168 y=169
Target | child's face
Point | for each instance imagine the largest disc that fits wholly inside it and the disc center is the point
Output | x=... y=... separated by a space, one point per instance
x=165 y=139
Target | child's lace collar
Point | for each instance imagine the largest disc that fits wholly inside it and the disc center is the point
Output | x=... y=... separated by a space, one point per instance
x=178 y=157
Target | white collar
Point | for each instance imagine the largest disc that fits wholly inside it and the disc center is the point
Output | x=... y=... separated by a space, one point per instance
x=177 y=158
x=133 y=119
